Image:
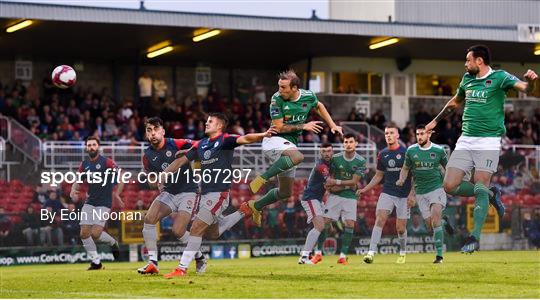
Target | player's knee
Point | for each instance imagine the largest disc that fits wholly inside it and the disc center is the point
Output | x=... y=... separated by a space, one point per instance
x=179 y=232
x=380 y=221
x=151 y=219
x=296 y=157
x=400 y=228
x=85 y=234
x=449 y=186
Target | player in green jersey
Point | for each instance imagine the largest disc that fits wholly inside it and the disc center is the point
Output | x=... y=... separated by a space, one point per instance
x=346 y=169
x=427 y=162
x=290 y=107
x=484 y=91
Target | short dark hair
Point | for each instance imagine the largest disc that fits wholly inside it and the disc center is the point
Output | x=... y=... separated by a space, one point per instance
x=481 y=51
x=326 y=145
x=290 y=75
x=222 y=117
x=420 y=126
x=350 y=135
x=391 y=124
x=92 y=138
x=155 y=121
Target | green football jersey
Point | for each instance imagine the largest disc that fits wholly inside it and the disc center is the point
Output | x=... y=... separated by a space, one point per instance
x=293 y=112
x=424 y=165
x=343 y=169
x=483 y=115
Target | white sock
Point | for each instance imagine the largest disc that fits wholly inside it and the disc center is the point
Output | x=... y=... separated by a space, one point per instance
x=375 y=238
x=402 y=243
x=194 y=244
x=184 y=238
x=106 y=238
x=342 y=255
x=311 y=239
x=371 y=253
x=304 y=253
x=150 y=240
x=229 y=221
x=91 y=249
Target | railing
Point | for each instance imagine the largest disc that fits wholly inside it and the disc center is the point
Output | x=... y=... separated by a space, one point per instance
x=21 y=138
x=531 y=153
x=69 y=155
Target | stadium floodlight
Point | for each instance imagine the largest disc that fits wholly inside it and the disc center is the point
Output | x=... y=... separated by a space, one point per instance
x=383 y=43
x=19 y=26
x=159 y=52
x=206 y=35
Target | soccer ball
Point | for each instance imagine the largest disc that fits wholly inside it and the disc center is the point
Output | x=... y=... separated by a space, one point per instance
x=63 y=76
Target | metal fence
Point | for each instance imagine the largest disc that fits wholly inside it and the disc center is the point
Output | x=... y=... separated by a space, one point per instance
x=21 y=138
x=69 y=155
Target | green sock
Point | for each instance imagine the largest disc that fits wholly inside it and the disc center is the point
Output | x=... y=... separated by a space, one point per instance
x=465 y=188
x=438 y=236
x=346 y=240
x=322 y=238
x=270 y=197
x=282 y=164
x=481 y=208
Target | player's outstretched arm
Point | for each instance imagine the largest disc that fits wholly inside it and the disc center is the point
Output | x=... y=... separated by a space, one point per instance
x=251 y=138
x=281 y=127
x=527 y=86
x=323 y=112
x=374 y=181
x=403 y=174
x=448 y=109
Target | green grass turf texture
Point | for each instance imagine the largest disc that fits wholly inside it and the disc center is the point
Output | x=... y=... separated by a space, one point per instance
x=485 y=274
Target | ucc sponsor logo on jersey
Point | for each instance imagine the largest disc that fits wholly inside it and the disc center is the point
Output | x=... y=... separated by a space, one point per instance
x=295 y=118
x=423 y=164
x=476 y=96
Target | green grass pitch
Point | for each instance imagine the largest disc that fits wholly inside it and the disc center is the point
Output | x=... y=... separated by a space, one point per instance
x=484 y=274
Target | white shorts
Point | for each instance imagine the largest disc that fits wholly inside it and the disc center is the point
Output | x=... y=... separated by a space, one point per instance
x=337 y=206
x=92 y=215
x=388 y=202
x=212 y=206
x=480 y=153
x=179 y=202
x=425 y=200
x=272 y=148
x=313 y=208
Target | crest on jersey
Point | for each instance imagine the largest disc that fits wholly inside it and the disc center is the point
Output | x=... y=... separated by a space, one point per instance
x=488 y=83
x=207 y=154
x=164 y=166
x=216 y=144
x=286 y=107
x=98 y=166
x=415 y=156
x=432 y=155
x=398 y=156
x=168 y=153
x=391 y=163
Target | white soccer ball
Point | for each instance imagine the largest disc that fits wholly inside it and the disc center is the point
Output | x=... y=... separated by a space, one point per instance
x=64 y=76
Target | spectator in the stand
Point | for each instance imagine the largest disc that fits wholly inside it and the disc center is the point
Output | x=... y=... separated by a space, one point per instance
x=111 y=131
x=31 y=226
x=139 y=205
x=531 y=228
x=378 y=119
x=259 y=92
x=126 y=111
x=54 y=203
x=5 y=227
x=160 y=88
x=422 y=116
x=416 y=226
x=10 y=109
x=237 y=128
x=190 y=129
x=145 y=93
x=73 y=111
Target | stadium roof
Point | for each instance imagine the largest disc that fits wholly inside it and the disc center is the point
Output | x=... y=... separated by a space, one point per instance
x=246 y=40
